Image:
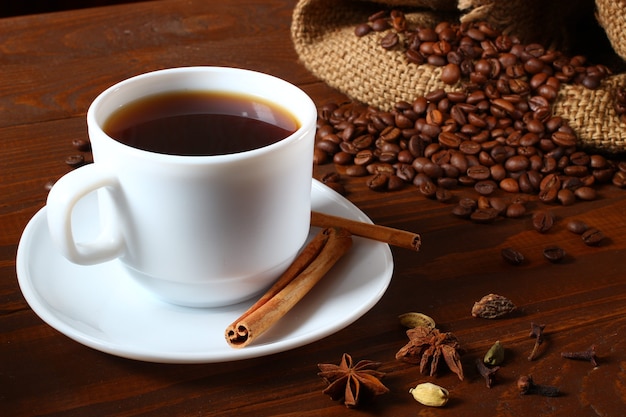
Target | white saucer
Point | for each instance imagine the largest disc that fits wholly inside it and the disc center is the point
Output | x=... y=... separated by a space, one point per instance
x=103 y=308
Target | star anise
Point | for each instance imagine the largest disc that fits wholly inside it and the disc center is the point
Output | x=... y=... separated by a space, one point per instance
x=352 y=383
x=428 y=346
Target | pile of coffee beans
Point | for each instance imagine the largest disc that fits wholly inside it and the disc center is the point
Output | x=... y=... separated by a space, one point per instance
x=494 y=131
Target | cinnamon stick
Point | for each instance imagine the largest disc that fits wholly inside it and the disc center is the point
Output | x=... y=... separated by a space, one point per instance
x=391 y=236
x=309 y=267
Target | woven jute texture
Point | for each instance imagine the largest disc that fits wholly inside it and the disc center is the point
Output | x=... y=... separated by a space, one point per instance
x=324 y=38
x=611 y=15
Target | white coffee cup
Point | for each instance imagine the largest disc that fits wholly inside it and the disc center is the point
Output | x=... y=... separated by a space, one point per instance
x=200 y=231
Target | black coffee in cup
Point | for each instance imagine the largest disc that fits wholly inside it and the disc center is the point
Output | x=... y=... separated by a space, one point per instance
x=200 y=123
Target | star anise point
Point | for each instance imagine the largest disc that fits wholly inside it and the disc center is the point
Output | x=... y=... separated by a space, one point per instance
x=352 y=383
x=427 y=346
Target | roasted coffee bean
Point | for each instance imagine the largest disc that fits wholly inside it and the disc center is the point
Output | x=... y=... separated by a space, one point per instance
x=390 y=40
x=451 y=74
x=82 y=145
x=598 y=162
x=395 y=183
x=378 y=182
x=499 y=204
x=483 y=202
x=564 y=139
x=554 y=253
x=356 y=171
x=388 y=157
x=406 y=172
x=428 y=189
x=510 y=185
x=327 y=146
x=505 y=105
x=470 y=147
x=348 y=148
x=398 y=20
x=469 y=203
x=485 y=187
x=543 y=221
x=577 y=226
x=443 y=195
x=478 y=172
x=432 y=170
x=575 y=170
x=364 y=157
x=484 y=215
x=462 y=211
x=525 y=184
x=517 y=163
x=449 y=170
x=362 y=29
x=549 y=188
x=592 y=237
x=380 y=168
x=319 y=157
x=515 y=210
x=603 y=175
x=566 y=197
x=512 y=256
x=619 y=179
x=75 y=161
x=450 y=140
x=331 y=177
x=585 y=193
x=380 y=24
x=391 y=134
x=580 y=158
x=342 y=158
x=447 y=182
x=363 y=142
x=571 y=183
x=497 y=172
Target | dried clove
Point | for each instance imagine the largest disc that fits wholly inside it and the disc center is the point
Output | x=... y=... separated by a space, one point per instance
x=488 y=373
x=536 y=331
x=527 y=386
x=585 y=355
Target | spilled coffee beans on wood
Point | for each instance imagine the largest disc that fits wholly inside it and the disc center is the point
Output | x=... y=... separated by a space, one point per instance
x=494 y=131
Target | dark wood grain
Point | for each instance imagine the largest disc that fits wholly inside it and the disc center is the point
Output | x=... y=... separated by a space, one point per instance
x=53 y=65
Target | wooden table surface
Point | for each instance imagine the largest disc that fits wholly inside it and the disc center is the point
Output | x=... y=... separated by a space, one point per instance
x=53 y=66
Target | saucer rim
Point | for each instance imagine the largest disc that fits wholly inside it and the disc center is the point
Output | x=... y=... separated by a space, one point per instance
x=42 y=309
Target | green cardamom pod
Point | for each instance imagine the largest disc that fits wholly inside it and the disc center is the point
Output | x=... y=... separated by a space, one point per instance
x=413 y=320
x=495 y=354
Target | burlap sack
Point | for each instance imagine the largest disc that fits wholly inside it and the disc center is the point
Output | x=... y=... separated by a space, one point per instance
x=611 y=15
x=323 y=36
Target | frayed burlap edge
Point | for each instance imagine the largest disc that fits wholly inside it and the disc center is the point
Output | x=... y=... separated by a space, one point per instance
x=324 y=39
x=323 y=35
x=611 y=15
x=592 y=114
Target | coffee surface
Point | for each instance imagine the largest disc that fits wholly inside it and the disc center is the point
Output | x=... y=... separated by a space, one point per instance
x=199 y=123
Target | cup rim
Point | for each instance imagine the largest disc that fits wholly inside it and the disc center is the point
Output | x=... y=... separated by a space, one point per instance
x=307 y=119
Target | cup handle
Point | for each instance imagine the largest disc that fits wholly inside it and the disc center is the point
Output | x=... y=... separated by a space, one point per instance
x=62 y=199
